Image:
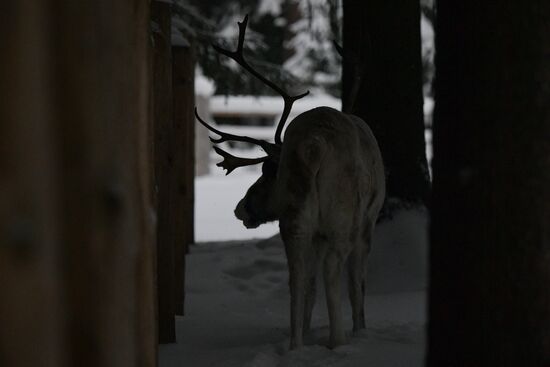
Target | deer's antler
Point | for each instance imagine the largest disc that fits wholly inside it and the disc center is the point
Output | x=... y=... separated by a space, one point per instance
x=238 y=57
x=230 y=162
x=273 y=151
x=269 y=148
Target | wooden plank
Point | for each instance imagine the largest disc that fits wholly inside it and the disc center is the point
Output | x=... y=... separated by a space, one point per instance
x=164 y=166
x=75 y=251
x=30 y=333
x=100 y=87
x=146 y=336
x=183 y=76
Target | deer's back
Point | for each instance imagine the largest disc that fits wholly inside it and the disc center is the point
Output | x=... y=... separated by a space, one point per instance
x=333 y=170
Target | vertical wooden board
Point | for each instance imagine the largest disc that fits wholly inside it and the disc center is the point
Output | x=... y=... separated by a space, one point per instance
x=146 y=301
x=30 y=333
x=164 y=168
x=73 y=251
x=184 y=132
x=191 y=153
x=99 y=110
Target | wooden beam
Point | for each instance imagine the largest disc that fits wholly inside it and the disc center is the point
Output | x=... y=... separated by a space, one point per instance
x=100 y=90
x=164 y=166
x=30 y=314
x=183 y=75
x=75 y=238
x=146 y=333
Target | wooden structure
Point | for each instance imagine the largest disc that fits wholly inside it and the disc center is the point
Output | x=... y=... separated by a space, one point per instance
x=164 y=159
x=183 y=81
x=173 y=147
x=76 y=256
x=94 y=142
x=89 y=145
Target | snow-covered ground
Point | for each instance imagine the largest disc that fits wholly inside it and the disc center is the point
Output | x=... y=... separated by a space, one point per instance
x=216 y=197
x=237 y=299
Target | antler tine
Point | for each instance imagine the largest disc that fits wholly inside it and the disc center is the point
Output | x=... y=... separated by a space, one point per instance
x=266 y=146
x=231 y=162
x=238 y=57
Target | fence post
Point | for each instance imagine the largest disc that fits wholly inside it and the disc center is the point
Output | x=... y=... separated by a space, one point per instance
x=29 y=241
x=164 y=166
x=183 y=62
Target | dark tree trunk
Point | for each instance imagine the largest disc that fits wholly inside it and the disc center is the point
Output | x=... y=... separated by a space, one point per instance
x=164 y=165
x=183 y=75
x=381 y=42
x=490 y=254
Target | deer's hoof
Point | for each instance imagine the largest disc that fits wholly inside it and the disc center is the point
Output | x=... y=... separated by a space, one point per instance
x=295 y=343
x=336 y=341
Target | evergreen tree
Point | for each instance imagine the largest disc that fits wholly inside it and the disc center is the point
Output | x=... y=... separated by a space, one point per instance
x=288 y=40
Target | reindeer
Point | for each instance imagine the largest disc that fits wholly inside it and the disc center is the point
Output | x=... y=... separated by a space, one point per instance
x=325 y=184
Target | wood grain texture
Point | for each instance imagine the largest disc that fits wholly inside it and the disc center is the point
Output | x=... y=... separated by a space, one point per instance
x=164 y=153
x=77 y=254
x=183 y=75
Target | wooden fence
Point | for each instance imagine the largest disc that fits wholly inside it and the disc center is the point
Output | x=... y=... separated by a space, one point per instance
x=96 y=192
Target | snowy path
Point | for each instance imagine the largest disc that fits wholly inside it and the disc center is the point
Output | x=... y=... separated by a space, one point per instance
x=237 y=298
x=237 y=315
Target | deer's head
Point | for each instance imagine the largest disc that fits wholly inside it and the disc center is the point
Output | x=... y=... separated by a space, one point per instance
x=258 y=206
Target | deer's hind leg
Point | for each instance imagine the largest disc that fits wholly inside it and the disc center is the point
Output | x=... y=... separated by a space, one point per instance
x=309 y=297
x=357 y=269
x=332 y=271
x=313 y=262
x=295 y=246
x=356 y=286
x=309 y=301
